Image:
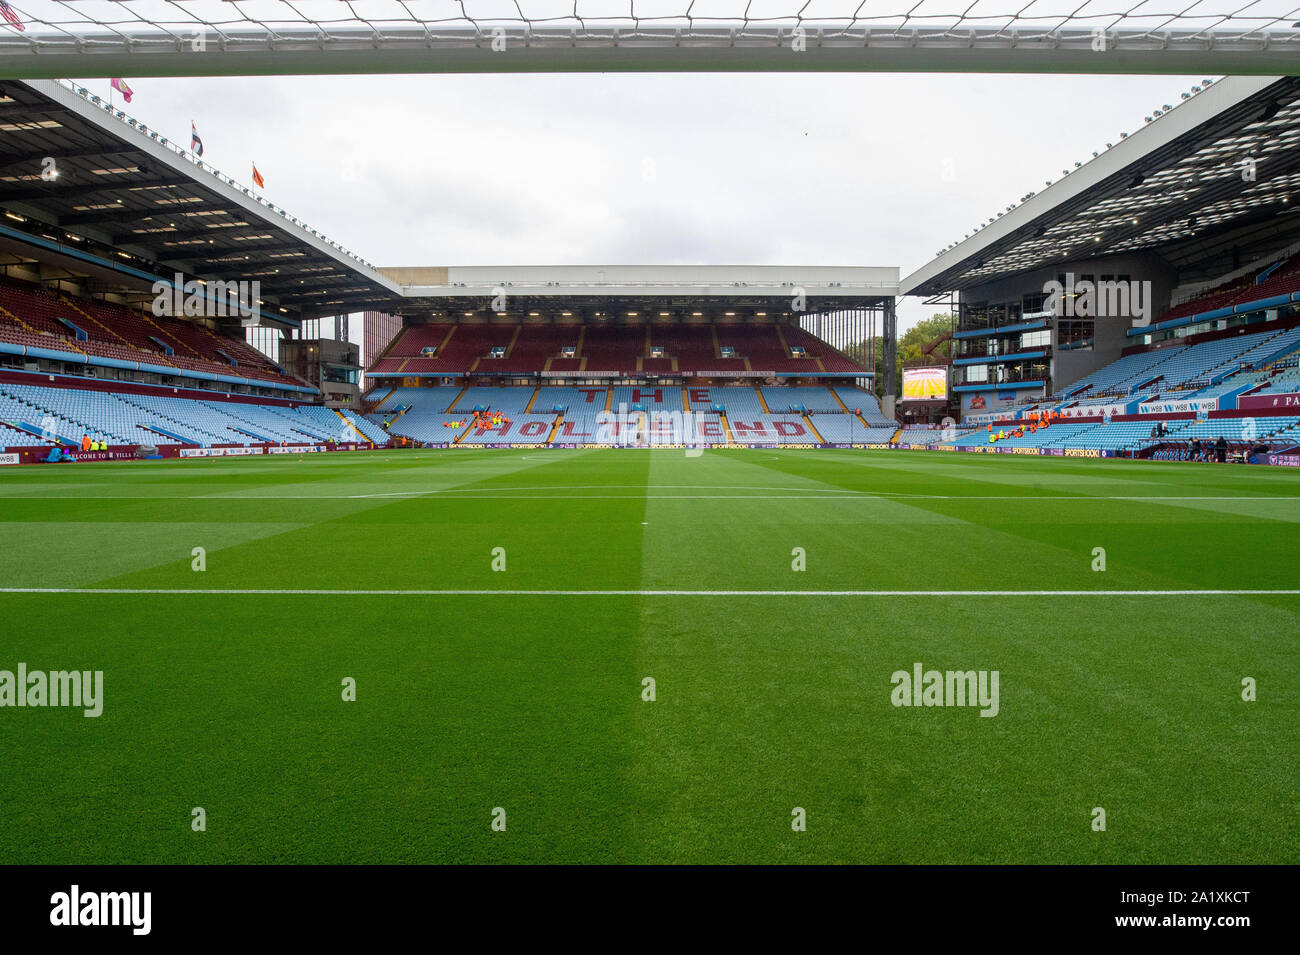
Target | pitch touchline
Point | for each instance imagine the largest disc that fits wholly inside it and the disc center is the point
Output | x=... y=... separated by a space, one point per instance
x=809 y=495
x=253 y=592
x=854 y=496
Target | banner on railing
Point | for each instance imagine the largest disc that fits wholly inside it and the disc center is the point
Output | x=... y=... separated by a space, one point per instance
x=1095 y=411
x=1180 y=406
x=218 y=452
x=1264 y=402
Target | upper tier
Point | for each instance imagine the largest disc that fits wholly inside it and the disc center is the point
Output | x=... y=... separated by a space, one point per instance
x=602 y=349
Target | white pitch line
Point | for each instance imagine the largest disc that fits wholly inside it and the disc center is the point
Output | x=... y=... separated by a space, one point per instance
x=350 y=592
x=852 y=497
x=847 y=496
x=615 y=487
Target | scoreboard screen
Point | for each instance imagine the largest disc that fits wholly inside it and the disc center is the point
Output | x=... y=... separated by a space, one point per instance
x=925 y=384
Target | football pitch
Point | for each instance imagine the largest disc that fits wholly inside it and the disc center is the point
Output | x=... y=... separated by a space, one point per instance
x=502 y=611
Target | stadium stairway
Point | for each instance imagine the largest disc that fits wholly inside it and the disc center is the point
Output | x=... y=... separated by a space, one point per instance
x=126 y=343
x=169 y=425
x=266 y=428
x=62 y=342
x=17 y=438
x=726 y=427
x=63 y=407
x=170 y=435
x=297 y=424
x=452 y=407
x=813 y=428
x=261 y=438
x=353 y=428
x=176 y=339
x=45 y=436
x=555 y=428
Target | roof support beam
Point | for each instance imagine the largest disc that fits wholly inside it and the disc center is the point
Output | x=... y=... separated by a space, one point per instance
x=139 y=50
x=34 y=158
x=56 y=193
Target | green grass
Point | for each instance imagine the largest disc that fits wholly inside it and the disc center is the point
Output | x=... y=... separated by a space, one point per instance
x=533 y=702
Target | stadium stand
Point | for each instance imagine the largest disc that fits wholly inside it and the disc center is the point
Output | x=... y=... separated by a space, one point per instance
x=691 y=347
x=806 y=400
x=1057 y=436
x=628 y=349
x=732 y=399
x=1191 y=367
x=1207 y=369
x=1234 y=429
x=533 y=348
x=1280 y=278
x=429 y=400
x=512 y=401
x=856 y=398
x=770 y=429
x=1118 y=435
x=1117 y=377
x=611 y=349
x=848 y=429
x=105 y=332
x=430 y=427
x=648 y=398
x=1259 y=359
x=1282 y=381
x=68 y=414
x=583 y=428
x=571 y=400
x=525 y=429
x=926 y=435
x=12 y=438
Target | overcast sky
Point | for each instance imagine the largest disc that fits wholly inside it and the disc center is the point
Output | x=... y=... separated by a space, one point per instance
x=784 y=169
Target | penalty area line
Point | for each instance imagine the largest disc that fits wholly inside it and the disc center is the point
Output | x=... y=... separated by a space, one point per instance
x=359 y=592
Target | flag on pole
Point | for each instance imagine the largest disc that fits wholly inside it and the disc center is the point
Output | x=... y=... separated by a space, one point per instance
x=196 y=144
x=121 y=87
x=257 y=178
x=12 y=16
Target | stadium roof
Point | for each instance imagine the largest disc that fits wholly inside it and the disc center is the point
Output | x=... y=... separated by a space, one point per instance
x=1182 y=185
x=128 y=207
x=131 y=207
x=162 y=37
x=823 y=288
